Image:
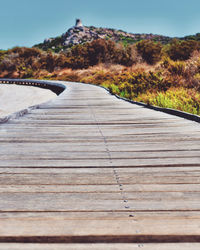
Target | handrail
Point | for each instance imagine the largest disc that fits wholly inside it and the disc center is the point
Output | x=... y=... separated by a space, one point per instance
x=57 y=88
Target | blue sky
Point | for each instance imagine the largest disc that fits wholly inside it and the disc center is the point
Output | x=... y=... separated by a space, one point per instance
x=27 y=22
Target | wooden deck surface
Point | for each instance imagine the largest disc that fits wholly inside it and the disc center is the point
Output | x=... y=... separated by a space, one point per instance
x=87 y=168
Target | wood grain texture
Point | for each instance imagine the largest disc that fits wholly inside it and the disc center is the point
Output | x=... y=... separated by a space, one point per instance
x=89 y=168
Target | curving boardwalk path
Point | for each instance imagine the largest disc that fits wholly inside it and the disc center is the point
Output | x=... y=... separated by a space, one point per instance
x=87 y=167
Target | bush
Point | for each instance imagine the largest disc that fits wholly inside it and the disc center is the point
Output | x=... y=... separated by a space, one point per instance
x=150 y=51
x=177 y=68
x=101 y=51
x=90 y=54
x=27 y=61
x=182 y=50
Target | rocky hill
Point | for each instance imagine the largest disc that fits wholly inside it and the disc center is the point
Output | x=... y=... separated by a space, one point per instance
x=80 y=34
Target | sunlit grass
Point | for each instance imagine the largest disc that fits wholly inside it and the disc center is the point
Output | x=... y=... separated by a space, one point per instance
x=182 y=99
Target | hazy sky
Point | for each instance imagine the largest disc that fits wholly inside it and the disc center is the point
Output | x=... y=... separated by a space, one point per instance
x=27 y=22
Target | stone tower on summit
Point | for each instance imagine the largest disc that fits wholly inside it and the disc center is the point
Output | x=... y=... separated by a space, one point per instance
x=78 y=23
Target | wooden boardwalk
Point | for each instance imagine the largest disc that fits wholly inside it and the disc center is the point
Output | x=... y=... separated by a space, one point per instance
x=87 y=168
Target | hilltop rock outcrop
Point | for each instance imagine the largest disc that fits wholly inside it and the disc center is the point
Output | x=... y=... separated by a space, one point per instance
x=79 y=34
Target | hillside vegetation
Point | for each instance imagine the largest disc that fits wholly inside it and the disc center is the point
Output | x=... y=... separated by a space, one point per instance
x=157 y=73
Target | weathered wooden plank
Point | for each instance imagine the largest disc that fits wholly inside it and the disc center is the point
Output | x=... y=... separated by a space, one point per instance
x=101 y=246
x=96 y=189
x=193 y=161
x=97 y=155
x=153 y=171
x=62 y=171
x=59 y=179
x=158 y=180
x=28 y=202
x=180 y=187
x=94 y=178
x=98 y=215
x=87 y=193
x=42 y=188
x=130 y=229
